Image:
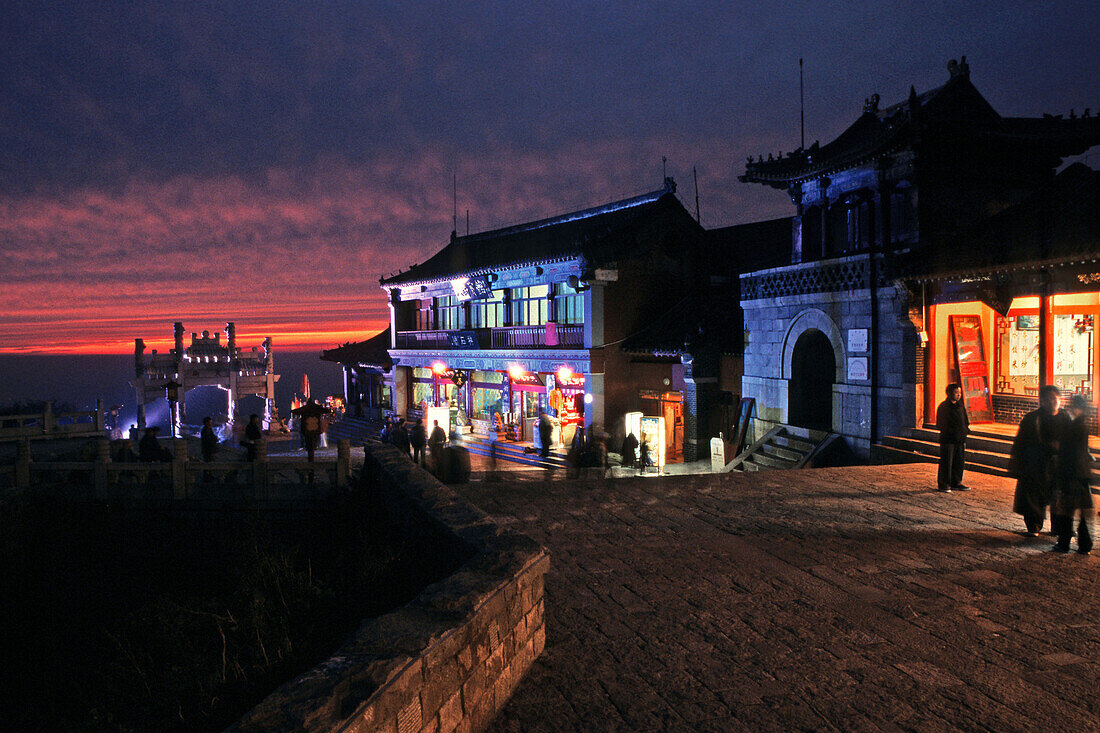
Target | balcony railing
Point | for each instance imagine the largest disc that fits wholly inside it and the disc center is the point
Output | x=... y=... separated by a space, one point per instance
x=508 y=337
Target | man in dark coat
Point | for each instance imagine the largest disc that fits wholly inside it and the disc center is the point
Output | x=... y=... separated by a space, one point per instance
x=209 y=440
x=419 y=439
x=1034 y=458
x=953 y=424
x=1071 y=487
x=149 y=449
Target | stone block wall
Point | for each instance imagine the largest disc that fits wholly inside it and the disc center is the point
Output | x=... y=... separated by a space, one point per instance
x=449 y=659
x=772 y=325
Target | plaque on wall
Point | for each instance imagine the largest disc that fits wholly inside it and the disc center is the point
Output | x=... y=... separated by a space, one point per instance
x=966 y=333
x=857 y=368
x=857 y=340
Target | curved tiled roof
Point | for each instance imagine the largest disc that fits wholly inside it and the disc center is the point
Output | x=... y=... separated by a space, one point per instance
x=585 y=233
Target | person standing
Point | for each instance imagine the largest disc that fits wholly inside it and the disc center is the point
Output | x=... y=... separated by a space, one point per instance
x=399 y=436
x=1034 y=457
x=629 y=450
x=953 y=424
x=209 y=442
x=252 y=436
x=1071 y=486
x=436 y=441
x=644 y=459
x=419 y=439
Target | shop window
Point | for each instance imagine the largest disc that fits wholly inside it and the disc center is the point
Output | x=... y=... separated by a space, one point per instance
x=447 y=316
x=488 y=394
x=530 y=306
x=488 y=312
x=1017 y=343
x=1073 y=352
x=568 y=304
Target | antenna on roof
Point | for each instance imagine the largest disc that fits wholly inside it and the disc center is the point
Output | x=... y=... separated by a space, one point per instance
x=467 y=222
x=454 y=204
x=696 y=177
x=664 y=171
x=801 y=105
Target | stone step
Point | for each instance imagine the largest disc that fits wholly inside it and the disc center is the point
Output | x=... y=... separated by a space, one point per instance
x=882 y=454
x=763 y=460
x=782 y=452
x=793 y=442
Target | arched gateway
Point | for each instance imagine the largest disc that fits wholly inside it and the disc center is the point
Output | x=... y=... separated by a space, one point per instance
x=206 y=363
x=813 y=370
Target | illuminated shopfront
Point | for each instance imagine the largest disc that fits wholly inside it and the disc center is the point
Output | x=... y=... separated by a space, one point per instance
x=1011 y=355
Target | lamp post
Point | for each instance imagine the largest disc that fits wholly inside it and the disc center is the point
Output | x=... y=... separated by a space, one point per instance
x=172 y=392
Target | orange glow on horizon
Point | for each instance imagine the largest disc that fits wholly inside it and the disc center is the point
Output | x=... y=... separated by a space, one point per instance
x=282 y=340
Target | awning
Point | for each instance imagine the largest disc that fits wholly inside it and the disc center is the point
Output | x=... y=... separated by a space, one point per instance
x=527 y=382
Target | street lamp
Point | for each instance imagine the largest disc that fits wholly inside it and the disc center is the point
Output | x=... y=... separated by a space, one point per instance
x=172 y=392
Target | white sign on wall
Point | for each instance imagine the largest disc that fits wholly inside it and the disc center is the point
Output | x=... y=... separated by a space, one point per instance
x=857 y=340
x=857 y=368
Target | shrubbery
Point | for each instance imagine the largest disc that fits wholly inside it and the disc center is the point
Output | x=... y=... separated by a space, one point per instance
x=133 y=620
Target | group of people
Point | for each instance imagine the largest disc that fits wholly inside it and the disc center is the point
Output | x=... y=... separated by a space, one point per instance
x=414 y=440
x=1050 y=460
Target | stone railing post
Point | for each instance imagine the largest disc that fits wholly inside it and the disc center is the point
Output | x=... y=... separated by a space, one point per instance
x=23 y=464
x=259 y=470
x=179 y=468
x=49 y=422
x=100 y=474
x=343 y=461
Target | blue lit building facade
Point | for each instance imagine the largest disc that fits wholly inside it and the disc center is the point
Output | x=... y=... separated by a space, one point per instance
x=503 y=324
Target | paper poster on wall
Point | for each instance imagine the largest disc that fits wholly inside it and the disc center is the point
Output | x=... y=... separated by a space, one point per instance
x=966 y=332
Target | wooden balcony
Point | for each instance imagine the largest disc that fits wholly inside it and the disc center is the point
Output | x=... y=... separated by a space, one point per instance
x=507 y=337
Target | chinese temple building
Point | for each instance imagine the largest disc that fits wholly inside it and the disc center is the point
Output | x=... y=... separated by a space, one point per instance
x=206 y=362
x=934 y=241
x=367 y=367
x=565 y=316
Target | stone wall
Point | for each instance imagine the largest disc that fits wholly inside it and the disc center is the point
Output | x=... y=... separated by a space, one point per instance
x=773 y=325
x=449 y=659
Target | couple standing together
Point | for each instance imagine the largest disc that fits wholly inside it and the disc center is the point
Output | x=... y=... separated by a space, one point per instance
x=1050 y=461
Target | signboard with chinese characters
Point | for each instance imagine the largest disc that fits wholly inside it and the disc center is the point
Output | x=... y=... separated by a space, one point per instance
x=966 y=332
x=857 y=340
x=527 y=382
x=462 y=339
x=471 y=288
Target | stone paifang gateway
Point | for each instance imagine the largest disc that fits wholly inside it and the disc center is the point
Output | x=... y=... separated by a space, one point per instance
x=932 y=243
x=207 y=362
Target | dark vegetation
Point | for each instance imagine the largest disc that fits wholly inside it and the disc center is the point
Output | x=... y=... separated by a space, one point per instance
x=132 y=619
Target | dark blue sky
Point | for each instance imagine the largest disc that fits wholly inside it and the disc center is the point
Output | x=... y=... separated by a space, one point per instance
x=266 y=162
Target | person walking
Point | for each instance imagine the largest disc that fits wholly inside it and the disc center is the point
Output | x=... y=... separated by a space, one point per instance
x=1034 y=457
x=418 y=439
x=953 y=424
x=644 y=459
x=546 y=434
x=1071 y=486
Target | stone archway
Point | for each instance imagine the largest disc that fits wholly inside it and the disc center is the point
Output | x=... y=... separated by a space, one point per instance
x=819 y=361
x=813 y=370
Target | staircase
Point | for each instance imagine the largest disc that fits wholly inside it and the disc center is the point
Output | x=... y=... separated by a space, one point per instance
x=356 y=429
x=513 y=452
x=783 y=447
x=986 y=451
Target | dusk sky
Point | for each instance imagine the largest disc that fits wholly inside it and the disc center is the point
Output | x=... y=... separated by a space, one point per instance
x=266 y=162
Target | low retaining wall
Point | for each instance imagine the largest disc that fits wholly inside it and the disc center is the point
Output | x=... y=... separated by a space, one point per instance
x=448 y=660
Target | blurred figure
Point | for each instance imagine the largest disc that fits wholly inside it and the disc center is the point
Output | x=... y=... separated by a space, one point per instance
x=1071 y=493
x=1034 y=458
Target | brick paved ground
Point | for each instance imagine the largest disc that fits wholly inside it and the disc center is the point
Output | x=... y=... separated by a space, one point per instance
x=833 y=599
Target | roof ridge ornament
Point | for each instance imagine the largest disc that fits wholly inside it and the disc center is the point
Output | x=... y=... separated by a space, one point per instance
x=870 y=105
x=958 y=68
